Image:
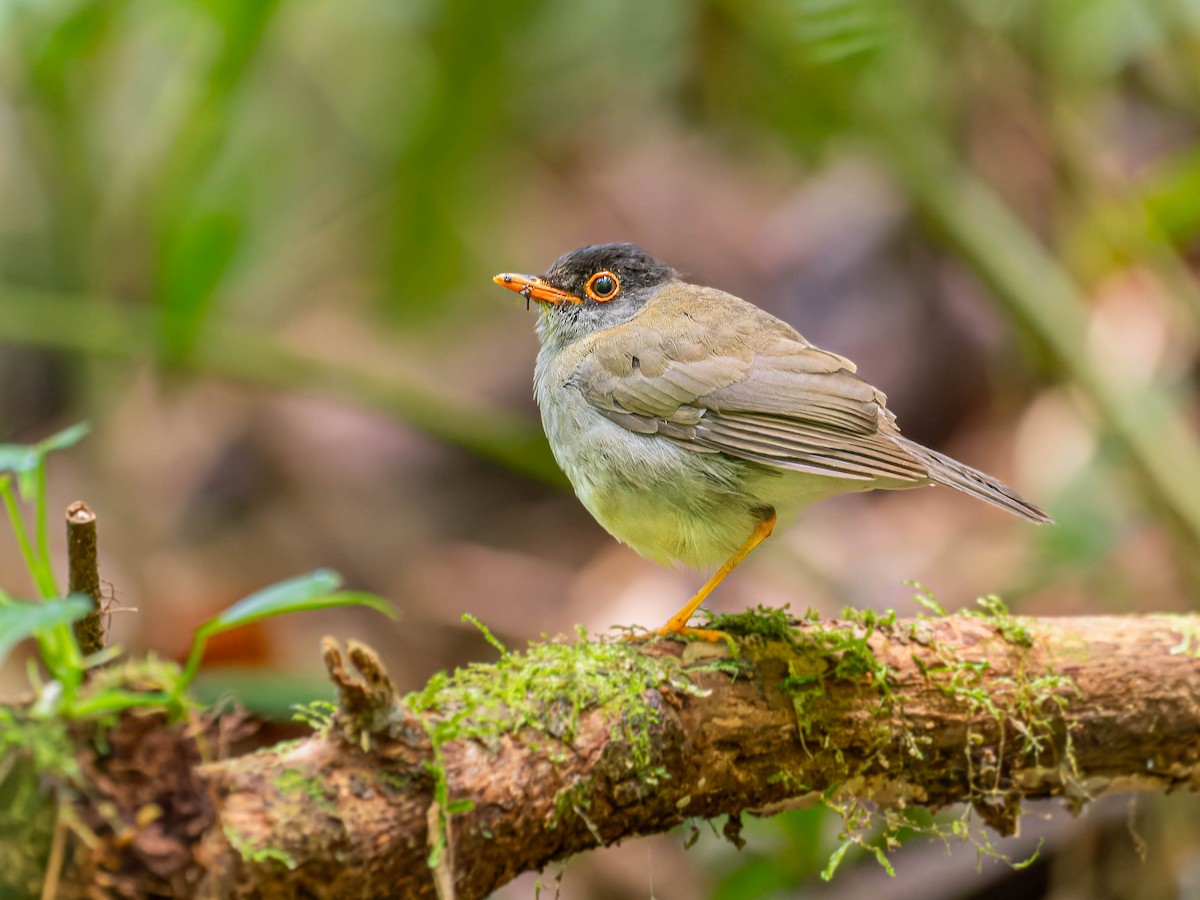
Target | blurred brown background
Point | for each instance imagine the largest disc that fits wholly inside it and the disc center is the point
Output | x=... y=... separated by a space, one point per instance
x=252 y=244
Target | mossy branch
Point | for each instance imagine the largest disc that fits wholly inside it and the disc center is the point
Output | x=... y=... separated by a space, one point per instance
x=505 y=767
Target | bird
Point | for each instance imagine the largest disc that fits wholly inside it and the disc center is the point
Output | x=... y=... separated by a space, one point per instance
x=690 y=422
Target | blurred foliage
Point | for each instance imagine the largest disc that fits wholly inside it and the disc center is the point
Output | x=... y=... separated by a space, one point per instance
x=225 y=162
x=790 y=849
x=182 y=181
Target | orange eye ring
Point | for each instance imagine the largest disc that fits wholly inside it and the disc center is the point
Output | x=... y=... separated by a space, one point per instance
x=603 y=286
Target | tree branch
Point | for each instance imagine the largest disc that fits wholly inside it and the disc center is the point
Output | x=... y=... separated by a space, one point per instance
x=569 y=746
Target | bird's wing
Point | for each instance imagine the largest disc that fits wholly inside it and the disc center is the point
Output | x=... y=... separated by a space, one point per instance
x=716 y=374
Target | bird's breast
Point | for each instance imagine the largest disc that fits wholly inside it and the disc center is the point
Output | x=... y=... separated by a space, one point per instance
x=667 y=502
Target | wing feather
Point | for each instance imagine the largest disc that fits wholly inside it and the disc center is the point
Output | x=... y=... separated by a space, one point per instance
x=757 y=391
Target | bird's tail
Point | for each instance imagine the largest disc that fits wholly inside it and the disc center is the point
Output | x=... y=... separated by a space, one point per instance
x=944 y=470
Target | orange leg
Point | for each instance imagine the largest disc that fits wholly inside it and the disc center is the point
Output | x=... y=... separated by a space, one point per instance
x=678 y=623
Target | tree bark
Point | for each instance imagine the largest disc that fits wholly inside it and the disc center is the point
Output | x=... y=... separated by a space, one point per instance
x=963 y=709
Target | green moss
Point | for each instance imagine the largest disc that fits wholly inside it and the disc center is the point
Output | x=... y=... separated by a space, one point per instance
x=924 y=597
x=1029 y=713
x=316 y=714
x=111 y=690
x=835 y=653
x=1028 y=708
x=1007 y=626
x=546 y=689
x=36 y=762
x=253 y=854
x=764 y=621
x=542 y=694
x=733 y=668
x=397 y=782
x=283 y=748
x=790 y=781
x=1032 y=707
x=39 y=772
x=1189 y=636
x=294 y=782
x=45 y=742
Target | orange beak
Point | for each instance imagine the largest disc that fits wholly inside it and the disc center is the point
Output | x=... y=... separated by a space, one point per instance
x=533 y=288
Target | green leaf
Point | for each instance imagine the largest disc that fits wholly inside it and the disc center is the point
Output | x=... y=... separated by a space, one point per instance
x=833 y=31
x=17 y=458
x=24 y=459
x=487 y=633
x=21 y=620
x=1026 y=863
x=881 y=858
x=835 y=860
x=199 y=254
x=317 y=590
x=21 y=458
x=68 y=437
x=925 y=597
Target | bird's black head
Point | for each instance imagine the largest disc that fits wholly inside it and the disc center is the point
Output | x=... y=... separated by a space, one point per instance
x=603 y=273
x=594 y=287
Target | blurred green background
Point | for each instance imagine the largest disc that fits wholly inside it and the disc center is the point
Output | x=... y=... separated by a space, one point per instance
x=252 y=242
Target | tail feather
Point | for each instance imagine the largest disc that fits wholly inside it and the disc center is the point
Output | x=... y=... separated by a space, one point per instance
x=950 y=472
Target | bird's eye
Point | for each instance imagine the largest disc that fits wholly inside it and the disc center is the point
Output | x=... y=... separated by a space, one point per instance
x=603 y=286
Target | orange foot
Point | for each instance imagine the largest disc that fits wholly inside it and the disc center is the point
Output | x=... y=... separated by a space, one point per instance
x=686 y=631
x=682 y=632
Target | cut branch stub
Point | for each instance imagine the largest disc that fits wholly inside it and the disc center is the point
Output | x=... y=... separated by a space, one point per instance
x=83 y=565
